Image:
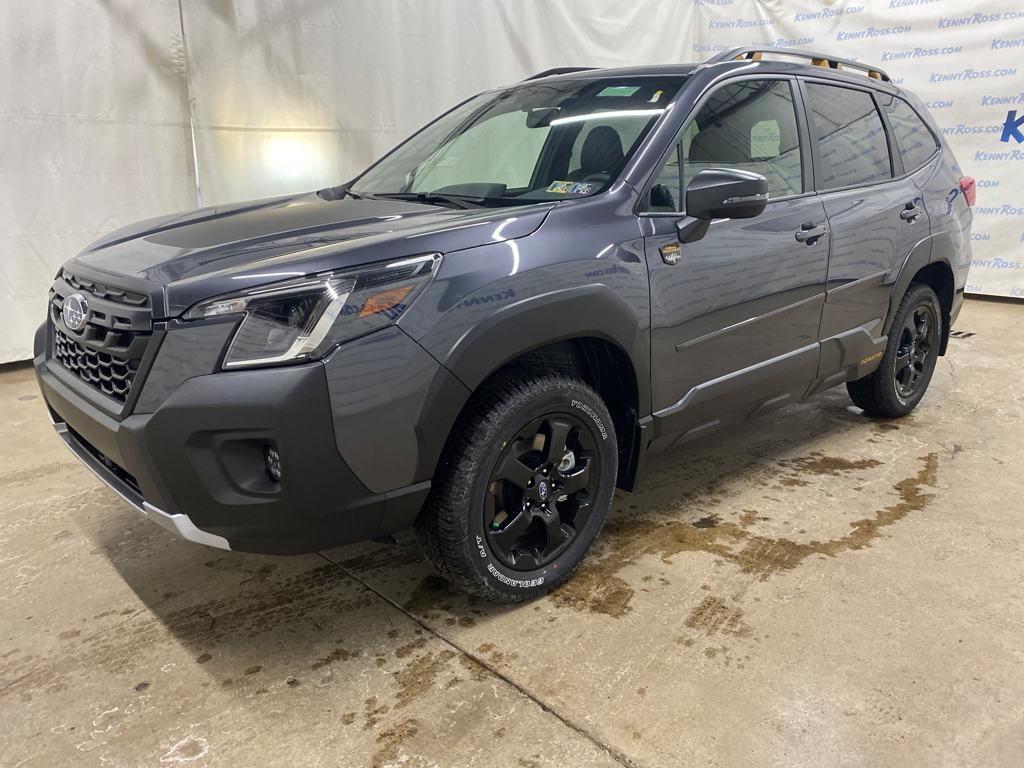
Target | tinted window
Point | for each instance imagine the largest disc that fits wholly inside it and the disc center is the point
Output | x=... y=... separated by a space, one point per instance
x=851 y=139
x=749 y=125
x=915 y=141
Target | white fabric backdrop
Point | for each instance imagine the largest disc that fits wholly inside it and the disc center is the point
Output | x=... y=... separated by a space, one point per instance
x=93 y=135
x=98 y=98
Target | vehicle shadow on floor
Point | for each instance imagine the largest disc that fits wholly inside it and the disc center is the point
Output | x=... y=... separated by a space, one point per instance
x=219 y=605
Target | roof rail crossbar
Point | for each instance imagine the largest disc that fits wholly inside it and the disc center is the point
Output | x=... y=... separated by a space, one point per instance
x=558 y=71
x=756 y=52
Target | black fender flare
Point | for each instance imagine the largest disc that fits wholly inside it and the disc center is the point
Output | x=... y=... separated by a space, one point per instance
x=594 y=311
x=936 y=248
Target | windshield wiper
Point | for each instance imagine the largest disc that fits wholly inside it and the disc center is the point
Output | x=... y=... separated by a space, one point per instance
x=455 y=201
x=338 y=192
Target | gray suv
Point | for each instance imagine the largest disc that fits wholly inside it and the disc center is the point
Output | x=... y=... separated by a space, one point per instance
x=485 y=333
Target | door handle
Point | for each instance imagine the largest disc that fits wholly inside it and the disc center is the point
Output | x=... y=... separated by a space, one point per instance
x=809 y=233
x=910 y=213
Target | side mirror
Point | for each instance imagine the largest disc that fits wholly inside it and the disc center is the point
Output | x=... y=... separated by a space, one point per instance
x=721 y=193
x=726 y=193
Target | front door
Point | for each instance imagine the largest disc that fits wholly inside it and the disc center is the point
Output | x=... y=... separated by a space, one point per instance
x=734 y=322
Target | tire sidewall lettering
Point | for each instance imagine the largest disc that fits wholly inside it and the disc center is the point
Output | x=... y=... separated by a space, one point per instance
x=593 y=415
x=492 y=569
x=508 y=581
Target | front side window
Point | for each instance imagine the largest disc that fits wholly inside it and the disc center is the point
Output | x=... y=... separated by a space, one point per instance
x=851 y=139
x=916 y=143
x=749 y=125
x=531 y=143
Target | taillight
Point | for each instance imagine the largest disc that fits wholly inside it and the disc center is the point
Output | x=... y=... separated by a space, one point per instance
x=969 y=189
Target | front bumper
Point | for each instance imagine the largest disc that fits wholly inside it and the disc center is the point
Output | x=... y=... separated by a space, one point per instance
x=195 y=464
x=178 y=523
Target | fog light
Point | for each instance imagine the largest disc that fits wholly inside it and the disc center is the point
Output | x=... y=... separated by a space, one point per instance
x=273 y=461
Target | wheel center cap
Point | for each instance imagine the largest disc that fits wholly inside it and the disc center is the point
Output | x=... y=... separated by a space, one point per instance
x=543 y=490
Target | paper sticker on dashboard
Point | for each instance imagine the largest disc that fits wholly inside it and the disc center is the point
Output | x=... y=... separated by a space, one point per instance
x=561 y=187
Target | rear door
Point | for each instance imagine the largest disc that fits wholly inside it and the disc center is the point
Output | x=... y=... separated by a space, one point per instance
x=875 y=212
x=735 y=319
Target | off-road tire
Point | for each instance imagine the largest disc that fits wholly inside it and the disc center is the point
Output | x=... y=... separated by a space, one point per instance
x=451 y=528
x=878 y=393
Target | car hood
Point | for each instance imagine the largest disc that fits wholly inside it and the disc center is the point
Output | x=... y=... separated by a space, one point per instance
x=183 y=258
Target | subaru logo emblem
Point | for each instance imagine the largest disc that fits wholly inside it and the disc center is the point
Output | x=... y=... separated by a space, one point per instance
x=74 y=312
x=543 y=490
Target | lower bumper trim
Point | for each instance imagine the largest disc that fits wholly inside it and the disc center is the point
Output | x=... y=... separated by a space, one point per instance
x=175 y=523
x=182 y=525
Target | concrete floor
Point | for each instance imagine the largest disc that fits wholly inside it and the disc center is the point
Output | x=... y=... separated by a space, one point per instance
x=819 y=589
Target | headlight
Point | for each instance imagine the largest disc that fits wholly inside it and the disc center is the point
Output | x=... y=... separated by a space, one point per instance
x=303 y=319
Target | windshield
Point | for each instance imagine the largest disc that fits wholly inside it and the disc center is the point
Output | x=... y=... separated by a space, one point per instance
x=531 y=143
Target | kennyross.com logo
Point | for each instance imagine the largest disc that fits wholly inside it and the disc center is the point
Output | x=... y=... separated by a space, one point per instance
x=1012 y=127
x=971 y=74
x=991 y=100
x=828 y=13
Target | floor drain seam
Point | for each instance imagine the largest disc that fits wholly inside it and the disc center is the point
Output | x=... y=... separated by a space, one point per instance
x=617 y=755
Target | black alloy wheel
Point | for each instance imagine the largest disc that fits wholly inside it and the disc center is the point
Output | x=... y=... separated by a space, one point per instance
x=541 y=491
x=899 y=382
x=918 y=342
x=524 y=486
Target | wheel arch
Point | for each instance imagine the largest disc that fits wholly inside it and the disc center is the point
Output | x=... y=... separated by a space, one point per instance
x=589 y=332
x=938 y=275
x=926 y=264
x=591 y=311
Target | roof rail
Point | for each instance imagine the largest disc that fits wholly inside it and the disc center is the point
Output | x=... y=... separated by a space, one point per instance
x=558 y=71
x=755 y=53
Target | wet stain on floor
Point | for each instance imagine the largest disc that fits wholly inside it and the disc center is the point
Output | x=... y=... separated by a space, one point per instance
x=714 y=616
x=418 y=677
x=431 y=593
x=595 y=588
x=338 y=654
x=373 y=713
x=820 y=464
x=391 y=742
x=598 y=587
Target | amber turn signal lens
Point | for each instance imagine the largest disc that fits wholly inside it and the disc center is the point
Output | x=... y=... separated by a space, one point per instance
x=384 y=301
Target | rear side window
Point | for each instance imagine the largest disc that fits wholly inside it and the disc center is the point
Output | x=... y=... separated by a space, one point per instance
x=851 y=139
x=750 y=125
x=915 y=141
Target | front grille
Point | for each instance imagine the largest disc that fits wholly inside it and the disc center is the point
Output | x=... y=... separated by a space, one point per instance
x=107 y=353
x=109 y=375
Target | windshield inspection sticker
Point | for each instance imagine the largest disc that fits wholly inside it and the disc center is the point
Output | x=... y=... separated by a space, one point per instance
x=619 y=90
x=570 y=188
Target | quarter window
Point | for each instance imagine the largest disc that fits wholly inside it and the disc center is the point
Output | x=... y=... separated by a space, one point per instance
x=851 y=139
x=916 y=142
x=750 y=125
